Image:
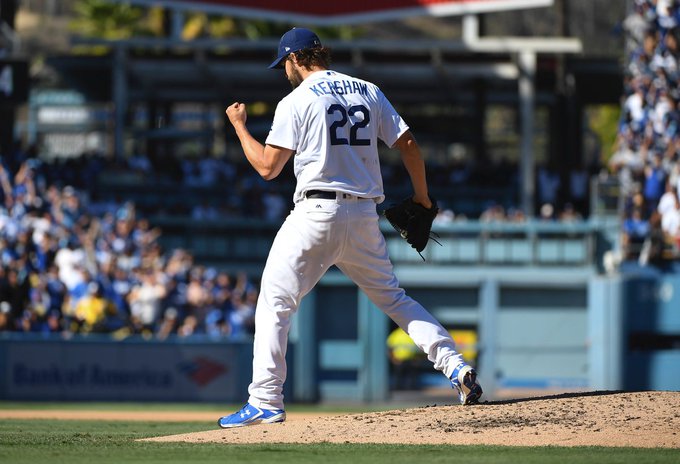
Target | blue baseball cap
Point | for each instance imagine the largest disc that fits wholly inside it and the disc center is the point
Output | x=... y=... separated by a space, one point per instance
x=294 y=40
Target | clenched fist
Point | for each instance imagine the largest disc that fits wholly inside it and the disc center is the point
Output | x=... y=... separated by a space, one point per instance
x=236 y=112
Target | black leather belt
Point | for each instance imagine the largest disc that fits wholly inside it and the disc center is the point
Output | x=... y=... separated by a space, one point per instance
x=328 y=195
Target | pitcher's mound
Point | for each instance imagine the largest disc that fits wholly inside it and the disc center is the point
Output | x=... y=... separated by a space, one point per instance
x=641 y=419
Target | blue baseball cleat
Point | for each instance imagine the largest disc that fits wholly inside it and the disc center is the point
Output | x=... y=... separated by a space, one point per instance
x=250 y=415
x=464 y=380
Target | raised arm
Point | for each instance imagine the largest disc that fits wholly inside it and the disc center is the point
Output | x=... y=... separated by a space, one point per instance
x=267 y=160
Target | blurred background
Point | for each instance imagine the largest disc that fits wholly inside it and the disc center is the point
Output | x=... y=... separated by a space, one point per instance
x=133 y=231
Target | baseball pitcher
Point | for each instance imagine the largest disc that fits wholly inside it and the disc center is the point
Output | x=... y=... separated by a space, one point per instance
x=330 y=125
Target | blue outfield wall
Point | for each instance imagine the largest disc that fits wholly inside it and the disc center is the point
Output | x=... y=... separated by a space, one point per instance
x=651 y=321
x=531 y=326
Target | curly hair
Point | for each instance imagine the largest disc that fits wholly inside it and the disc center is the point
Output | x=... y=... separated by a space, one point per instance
x=316 y=56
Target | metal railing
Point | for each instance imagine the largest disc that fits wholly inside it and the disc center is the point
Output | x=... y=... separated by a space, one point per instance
x=244 y=244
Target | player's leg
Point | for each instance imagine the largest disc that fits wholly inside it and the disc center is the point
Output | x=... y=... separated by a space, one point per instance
x=302 y=252
x=365 y=260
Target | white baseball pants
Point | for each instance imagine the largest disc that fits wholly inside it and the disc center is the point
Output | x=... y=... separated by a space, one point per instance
x=317 y=234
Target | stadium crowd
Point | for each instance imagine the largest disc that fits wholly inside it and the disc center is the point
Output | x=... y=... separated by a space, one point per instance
x=74 y=261
x=647 y=152
x=71 y=266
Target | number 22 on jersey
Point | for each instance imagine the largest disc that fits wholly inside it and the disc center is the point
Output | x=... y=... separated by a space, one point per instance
x=341 y=117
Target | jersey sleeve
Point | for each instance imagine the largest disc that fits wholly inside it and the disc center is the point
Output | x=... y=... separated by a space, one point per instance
x=284 y=130
x=391 y=125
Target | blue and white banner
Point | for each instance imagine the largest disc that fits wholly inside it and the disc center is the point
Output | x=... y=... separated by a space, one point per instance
x=137 y=371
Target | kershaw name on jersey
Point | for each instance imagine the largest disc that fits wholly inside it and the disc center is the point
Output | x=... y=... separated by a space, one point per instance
x=342 y=87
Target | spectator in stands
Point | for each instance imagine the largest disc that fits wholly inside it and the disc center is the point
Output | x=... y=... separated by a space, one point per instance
x=666 y=56
x=217 y=321
x=569 y=214
x=274 y=205
x=635 y=231
x=655 y=183
x=190 y=172
x=143 y=235
x=198 y=301
x=548 y=185
x=578 y=190
x=642 y=55
x=494 y=212
x=670 y=221
x=636 y=25
x=68 y=211
x=121 y=284
x=5 y=188
x=444 y=216
x=14 y=294
x=667 y=200
x=209 y=171
x=674 y=169
x=44 y=250
x=547 y=212
x=204 y=211
x=406 y=360
x=92 y=311
x=626 y=162
x=145 y=301
x=188 y=326
x=55 y=288
x=5 y=324
x=140 y=163
x=168 y=323
x=666 y=13
x=38 y=306
x=637 y=200
x=516 y=215
x=654 y=247
x=242 y=316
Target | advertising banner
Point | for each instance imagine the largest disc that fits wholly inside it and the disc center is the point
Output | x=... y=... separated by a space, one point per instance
x=122 y=371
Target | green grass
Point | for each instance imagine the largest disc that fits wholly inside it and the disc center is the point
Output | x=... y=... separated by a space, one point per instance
x=181 y=407
x=97 y=406
x=76 y=442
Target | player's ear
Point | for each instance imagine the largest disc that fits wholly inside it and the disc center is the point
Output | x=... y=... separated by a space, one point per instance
x=293 y=58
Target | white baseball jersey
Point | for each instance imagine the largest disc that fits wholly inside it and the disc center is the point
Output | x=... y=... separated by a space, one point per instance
x=333 y=122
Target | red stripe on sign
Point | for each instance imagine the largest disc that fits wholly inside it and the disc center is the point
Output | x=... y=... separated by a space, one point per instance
x=202 y=370
x=320 y=8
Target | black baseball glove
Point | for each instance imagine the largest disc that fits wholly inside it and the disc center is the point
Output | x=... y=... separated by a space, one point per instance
x=413 y=222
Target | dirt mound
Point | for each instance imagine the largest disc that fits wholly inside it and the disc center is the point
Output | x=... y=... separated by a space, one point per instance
x=641 y=419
